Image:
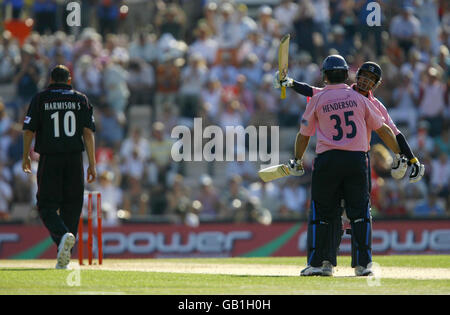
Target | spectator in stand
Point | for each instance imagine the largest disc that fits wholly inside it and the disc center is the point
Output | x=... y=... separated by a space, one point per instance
x=141 y=81
x=44 y=15
x=428 y=13
x=348 y=19
x=405 y=97
x=9 y=57
x=254 y=45
x=88 y=78
x=111 y=198
x=16 y=5
x=442 y=142
x=234 y=200
x=322 y=19
x=414 y=65
x=430 y=207
x=143 y=47
x=405 y=28
x=294 y=199
x=243 y=167
x=225 y=71
x=285 y=14
x=167 y=83
x=110 y=127
x=268 y=194
x=421 y=142
x=251 y=68
x=432 y=102
x=304 y=26
x=245 y=96
x=440 y=175
x=267 y=25
x=6 y=196
x=115 y=78
x=246 y=24
x=61 y=45
x=24 y=185
x=229 y=37
x=178 y=200
x=339 y=42
x=211 y=99
x=89 y=44
x=172 y=20
x=5 y=120
x=135 y=199
x=211 y=16
x=193 y=78
x=209 y=198
x=161 y=168
x=135 y=143
x=108 y=16
x=204 y=44
x=27 y=77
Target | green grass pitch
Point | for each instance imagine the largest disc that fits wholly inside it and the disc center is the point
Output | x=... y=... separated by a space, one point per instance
x=399 y=275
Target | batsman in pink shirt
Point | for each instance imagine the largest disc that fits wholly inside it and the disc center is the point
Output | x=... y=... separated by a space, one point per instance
x=341 y=118
x=368 y=77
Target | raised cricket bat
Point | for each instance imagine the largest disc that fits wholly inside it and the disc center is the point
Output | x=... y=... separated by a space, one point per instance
x=271 y=173
x=283 y=57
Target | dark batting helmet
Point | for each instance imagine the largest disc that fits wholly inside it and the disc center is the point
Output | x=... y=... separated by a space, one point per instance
x=368 y=76
x=334 y=69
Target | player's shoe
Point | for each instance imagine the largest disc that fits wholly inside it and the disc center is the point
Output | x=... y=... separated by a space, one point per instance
x=327 y=269
x=64 y=251
x=361 y=271
x=311 y=271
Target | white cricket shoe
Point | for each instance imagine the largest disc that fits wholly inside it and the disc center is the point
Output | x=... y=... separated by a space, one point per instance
x=327 y=268
x=64 y=251
x=311 y=271
x=360 y=271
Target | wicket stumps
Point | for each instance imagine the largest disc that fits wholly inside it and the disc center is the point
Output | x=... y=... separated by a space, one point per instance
x=90 y=239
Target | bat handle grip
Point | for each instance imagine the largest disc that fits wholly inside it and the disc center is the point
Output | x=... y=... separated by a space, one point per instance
x=283 y=92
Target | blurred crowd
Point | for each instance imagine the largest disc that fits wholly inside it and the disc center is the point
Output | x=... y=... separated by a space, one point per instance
x=216 y=60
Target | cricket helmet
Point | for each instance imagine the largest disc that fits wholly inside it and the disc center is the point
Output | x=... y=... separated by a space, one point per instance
x=334 y=69
x=365 y=81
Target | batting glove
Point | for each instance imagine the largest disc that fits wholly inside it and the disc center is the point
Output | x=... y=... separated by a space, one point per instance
x=286 y=82
x=399 y=166
x=296 y=167
x=417 y=171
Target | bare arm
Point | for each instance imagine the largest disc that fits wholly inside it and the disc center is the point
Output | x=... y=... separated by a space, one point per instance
x=28 y=136
x=89 y=142
x=388 y=137
x=301 y=143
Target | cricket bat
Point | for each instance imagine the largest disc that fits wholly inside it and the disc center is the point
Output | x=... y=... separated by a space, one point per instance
x=271 y=173
x=283 y=57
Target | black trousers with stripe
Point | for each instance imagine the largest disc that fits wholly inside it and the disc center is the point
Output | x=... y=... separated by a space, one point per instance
x=339 y=175
x=60 y=193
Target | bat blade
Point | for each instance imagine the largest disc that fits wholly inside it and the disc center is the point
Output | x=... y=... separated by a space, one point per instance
x=283 y=58
x=271 y=173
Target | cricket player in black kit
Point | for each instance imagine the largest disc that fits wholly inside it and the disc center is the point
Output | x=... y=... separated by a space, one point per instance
x=60 y=118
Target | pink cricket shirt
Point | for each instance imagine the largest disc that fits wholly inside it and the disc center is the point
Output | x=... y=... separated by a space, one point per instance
x=342 y=119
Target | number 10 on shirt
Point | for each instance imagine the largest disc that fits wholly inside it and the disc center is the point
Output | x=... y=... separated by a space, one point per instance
x=69 y=124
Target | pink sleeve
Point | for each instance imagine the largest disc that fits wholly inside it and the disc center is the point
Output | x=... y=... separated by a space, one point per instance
x=316 y=90
x=374 y=119
x=385 y=114
x=309 y=119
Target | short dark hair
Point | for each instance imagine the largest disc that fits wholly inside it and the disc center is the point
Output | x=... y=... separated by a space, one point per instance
x=336 y=76
x=60 y=74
